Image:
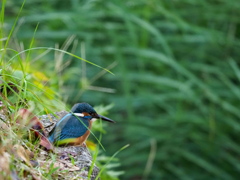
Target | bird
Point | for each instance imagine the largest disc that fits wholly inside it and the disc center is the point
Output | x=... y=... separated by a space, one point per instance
x=74 y=128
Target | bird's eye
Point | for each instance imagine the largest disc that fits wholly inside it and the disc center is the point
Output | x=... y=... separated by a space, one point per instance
x=91 y=114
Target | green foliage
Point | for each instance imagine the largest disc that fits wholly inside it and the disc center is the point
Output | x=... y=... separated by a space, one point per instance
x=176 y=81
x=23 y=83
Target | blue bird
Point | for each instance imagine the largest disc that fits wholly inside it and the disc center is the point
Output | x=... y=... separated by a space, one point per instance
x=73 y=128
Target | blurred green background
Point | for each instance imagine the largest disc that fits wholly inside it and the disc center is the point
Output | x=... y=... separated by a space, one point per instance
x=175 y=87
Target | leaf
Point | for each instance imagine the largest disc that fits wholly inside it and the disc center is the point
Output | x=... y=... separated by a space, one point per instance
x=44 y=142
x=22 y=154
x=26 y=118
x=91 y=145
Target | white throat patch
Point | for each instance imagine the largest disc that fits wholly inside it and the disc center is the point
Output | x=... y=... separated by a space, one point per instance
x=93 y=119
x=79 y=114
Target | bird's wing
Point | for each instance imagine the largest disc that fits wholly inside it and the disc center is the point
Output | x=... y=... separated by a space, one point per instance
x=69 y=127
x=55 y=132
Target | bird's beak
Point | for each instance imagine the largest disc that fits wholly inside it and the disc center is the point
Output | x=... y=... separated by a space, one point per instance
x=98 y=116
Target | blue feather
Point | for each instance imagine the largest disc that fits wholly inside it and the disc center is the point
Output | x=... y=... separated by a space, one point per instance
x=69 y=126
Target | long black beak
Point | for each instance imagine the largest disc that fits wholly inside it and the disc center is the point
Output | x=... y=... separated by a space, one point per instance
x=98 y=116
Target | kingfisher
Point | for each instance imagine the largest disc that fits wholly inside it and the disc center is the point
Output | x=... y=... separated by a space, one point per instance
x=74 y=128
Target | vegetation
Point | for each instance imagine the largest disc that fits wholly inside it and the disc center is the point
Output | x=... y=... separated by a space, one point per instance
x=175 y=89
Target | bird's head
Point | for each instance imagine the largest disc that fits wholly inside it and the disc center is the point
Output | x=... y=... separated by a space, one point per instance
x=85 y=110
